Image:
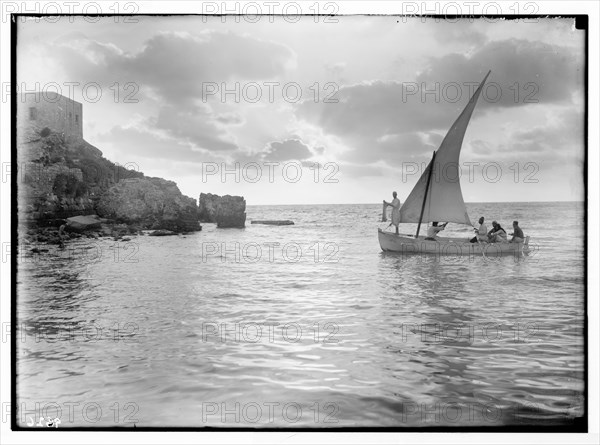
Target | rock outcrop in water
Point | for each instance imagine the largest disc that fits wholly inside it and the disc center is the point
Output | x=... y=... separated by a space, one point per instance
x=227 y=211
x=274 y=222
x=207 y=207
x=231 y=212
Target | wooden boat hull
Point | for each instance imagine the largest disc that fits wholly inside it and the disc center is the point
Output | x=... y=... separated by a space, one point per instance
x=407 y=245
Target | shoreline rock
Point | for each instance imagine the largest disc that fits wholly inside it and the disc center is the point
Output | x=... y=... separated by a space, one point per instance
x=162 y=232
x=83 y=223
x=274 y=222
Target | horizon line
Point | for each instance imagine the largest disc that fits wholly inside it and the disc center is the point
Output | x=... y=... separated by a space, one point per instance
x=374 y=203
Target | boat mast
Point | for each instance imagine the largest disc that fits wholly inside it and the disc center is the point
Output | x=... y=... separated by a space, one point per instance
x=425 y=197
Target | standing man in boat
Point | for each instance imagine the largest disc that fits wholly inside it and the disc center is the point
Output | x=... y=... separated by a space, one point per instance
x=395 y=210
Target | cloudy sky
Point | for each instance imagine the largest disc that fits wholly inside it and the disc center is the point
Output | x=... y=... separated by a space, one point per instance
x=367 y=99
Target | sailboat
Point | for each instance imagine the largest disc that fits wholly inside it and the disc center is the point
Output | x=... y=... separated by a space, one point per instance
x=437 y=196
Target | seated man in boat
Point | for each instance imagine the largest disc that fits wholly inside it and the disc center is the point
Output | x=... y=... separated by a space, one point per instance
x=517 y=235
x=481 y=234
x=395 y=210
x=433 y=231
x=497 y=234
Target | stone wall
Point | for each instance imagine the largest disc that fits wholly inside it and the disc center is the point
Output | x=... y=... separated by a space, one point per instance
x=39 y=110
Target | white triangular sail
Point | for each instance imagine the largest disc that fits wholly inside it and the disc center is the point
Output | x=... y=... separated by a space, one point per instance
x=444 y=197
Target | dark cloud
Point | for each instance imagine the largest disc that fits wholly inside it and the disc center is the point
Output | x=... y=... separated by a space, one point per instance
x=290 y=149
x=174 y=65
x=394 y=122
x=229 y=119
x=382 y=121
x=558 y=141
x=458 y=31
x=177 y=65
x=375 y=109
x=141 y=143
x=523 y=72
x=538 y=72
x=393 y=150
x=195 y=125
x=170 y=70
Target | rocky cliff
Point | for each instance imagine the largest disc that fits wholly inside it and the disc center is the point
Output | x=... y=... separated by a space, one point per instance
x=152 y=203
x=58 y=179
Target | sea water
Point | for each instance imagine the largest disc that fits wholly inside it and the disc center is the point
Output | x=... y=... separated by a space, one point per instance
x=308 y=326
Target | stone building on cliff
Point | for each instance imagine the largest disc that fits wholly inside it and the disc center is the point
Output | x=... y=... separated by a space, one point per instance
x=39 y=110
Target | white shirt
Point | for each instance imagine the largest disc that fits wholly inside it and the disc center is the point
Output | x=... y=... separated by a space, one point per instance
x=433 y=231
x=482 y=229
x=395 y=211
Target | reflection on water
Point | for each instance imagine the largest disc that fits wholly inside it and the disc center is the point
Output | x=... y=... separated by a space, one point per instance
x=357 y=337
x=467 y=327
